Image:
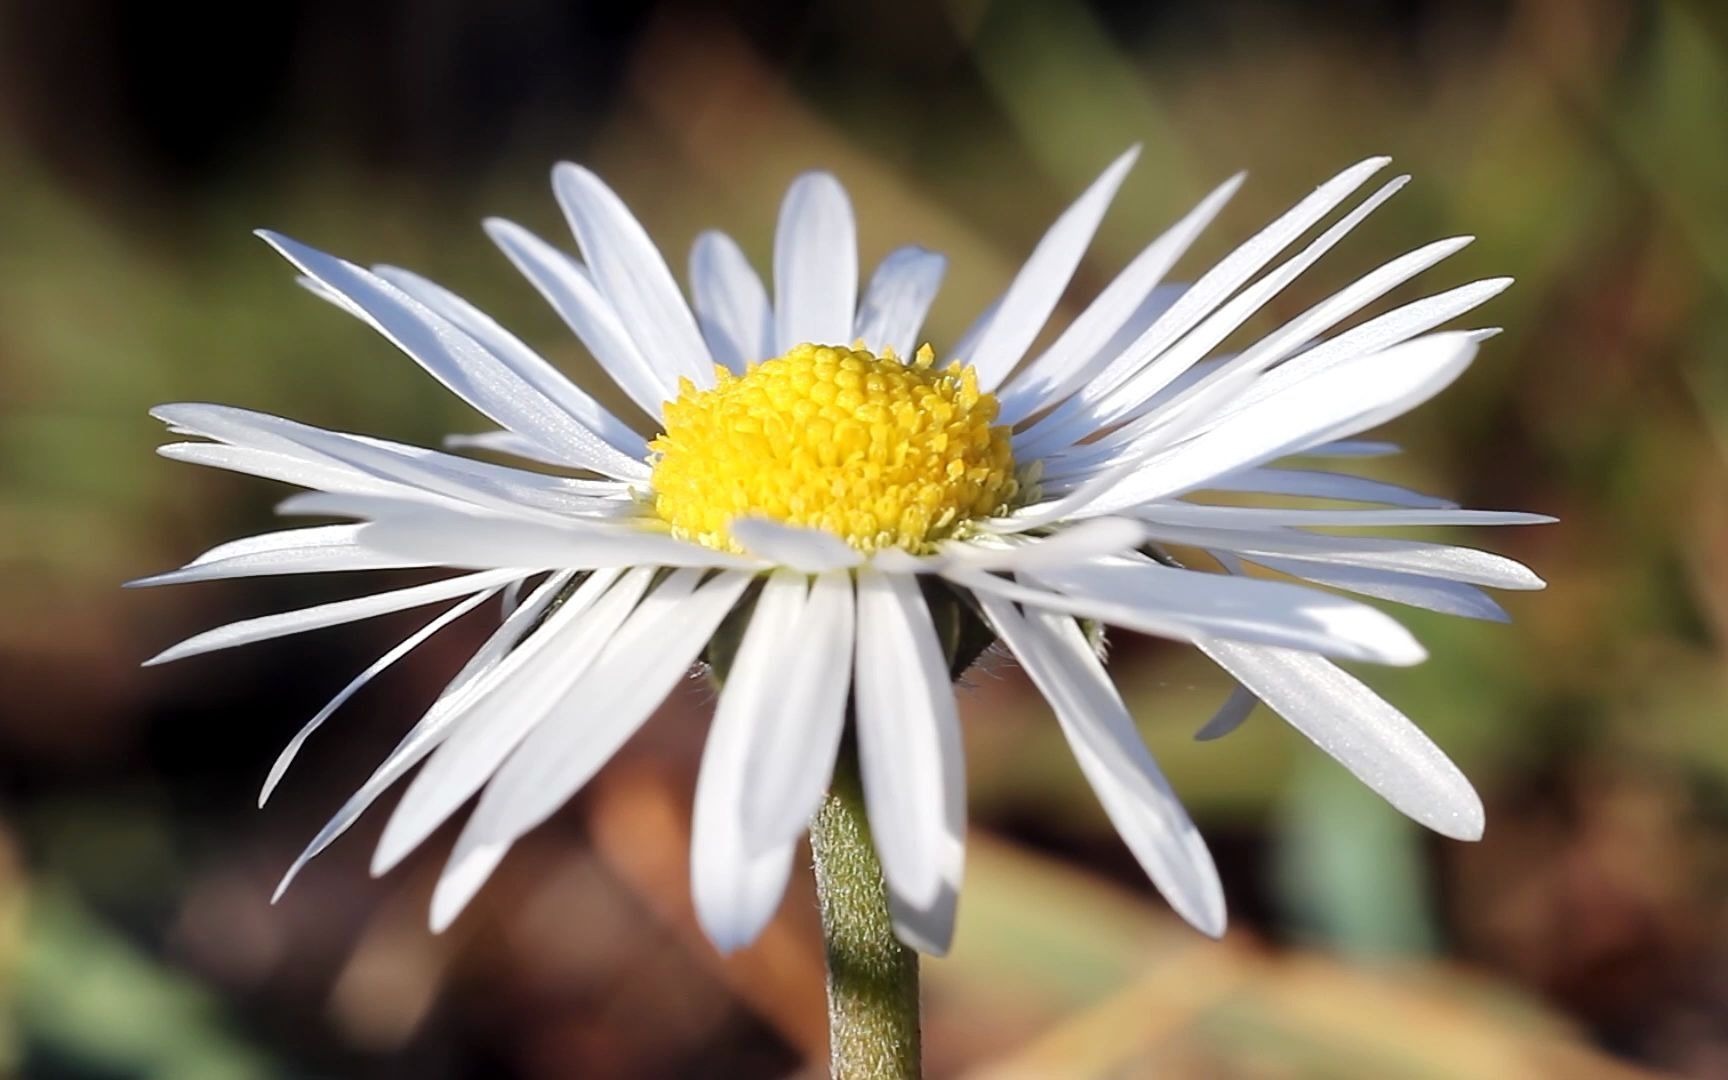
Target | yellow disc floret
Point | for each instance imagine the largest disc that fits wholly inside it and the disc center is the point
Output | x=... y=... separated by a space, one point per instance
x=877 y=451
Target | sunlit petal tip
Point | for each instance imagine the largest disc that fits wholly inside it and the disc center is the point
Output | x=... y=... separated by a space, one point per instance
x=460 y=882
x=1462 y=818
x=281 y=888
x=1212 y=922
x=288 y=877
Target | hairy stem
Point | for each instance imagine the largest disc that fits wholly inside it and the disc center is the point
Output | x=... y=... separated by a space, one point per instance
x=872 y=978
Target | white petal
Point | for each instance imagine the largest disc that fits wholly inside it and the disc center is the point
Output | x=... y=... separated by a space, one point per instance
x=810 y=550
x=632 y=276
x=1080 y=543
x=480 y=378
x=1365 y=734
x=731 y=304
x=1298 y=332
x=299 y=467
x=1382 y=332
x=528 y=685
x=1115 y=760
x=900 y=293
x=524 y=361
x=1027 y=304
x=1444 y=561
x=565 y=284
x=790 y=755
x=398 y=471
x=322 y=549
x=815 y=264
x=908 y=737
x=737 y=885
x=1269 y=517
x=1078 y=351
x=408 y=645
x=629 y=678
x=505 y=442
x=1354 y=448
x=1206 y=295
x=463 y=540
x=1333 y=404
x=1230 y=715
x=1314 y=484
x=284 y=623
x=1432 y=594
x=435 y=725
x=1187 y=605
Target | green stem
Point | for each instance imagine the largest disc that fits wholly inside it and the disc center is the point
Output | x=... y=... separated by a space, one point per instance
x=872 y=978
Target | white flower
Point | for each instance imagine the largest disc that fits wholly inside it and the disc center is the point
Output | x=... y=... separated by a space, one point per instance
x=835 y=489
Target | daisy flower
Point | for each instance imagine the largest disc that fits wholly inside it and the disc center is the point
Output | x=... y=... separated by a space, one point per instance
x=831 y=508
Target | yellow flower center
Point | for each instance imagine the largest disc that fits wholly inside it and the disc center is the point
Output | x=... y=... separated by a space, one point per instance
x=874 y=450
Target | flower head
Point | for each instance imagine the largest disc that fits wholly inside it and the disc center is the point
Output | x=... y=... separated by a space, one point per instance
x=807 y=461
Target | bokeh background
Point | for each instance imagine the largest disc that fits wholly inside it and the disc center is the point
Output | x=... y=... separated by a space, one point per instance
x=1584 y=141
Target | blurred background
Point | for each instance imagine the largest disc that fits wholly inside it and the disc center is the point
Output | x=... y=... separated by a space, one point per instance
x=1584 y=141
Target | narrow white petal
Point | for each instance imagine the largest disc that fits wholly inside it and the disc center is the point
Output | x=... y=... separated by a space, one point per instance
x=1334 y=625
x=1129 y=784
x=301 y=468
x=455 y=359
x=523 y=360
x=908 y=737
x=1432 y=594
x=731 y=304
x=285 y=623
x=565 y=284
x=736 y=884
x=633 y=277
x=460 y=881
x=434 y=726
x=1314 y=484
x=1213 y=288
x=1245 y=370
x=899 y=296
x=1365 y=734
x=1298 y=332
x=629 y=678
x=1187 y=605
x=397 y=470
x=321 y=549
x=1354 y=448
x=592 y=510
x=1080 y=350
x=1079 y=543
x=1382 y=332
x=790 y=756
x=465 y=540
x=815 y=264
x=506 y=442
x=1027 y=304
x=1444 y=561
x=810 y=550
x=1265 y=517
x=1149 y=388
x=1230 y=715
x=408 y=645
x=1341 y=401
x=528 y=685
